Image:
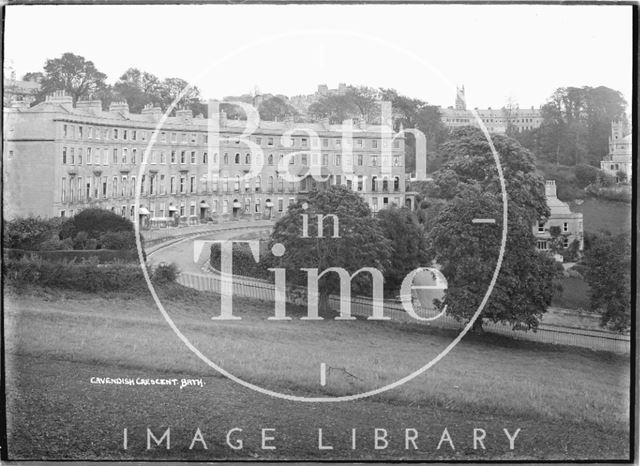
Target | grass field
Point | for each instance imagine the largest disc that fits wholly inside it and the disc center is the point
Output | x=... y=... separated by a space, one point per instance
x=601 y=215
x=568 y=403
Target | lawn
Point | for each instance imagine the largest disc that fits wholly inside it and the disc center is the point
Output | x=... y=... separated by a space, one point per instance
x=574 y=295
x=568 y=403
x=601 y=214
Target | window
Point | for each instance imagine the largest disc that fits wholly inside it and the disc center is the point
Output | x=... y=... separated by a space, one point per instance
x=114 y=187
x=396 y=161
x=63 y=194
x=192 y=184
x=64 y=154
x=174 y=137
x=338 y=160
x=541 y=245
x=173 y=156
x=360 y=183
x=374 y=143
x=172 y=185
x=325 y=142
x=193 y=156
x=80 y=156
x=540 y=227
x=303 y=159
x=360 y=159
x=88 y=155
x=325 y=159
x=154 y=156
x=124 y=155
x=183 y=181
x=115 y=133
x=280 y=205
x=280 y=185
x=226 y=158
x=64 y=130
x=258 y=141
x=163 y=188
x=374 y=161
x=80 y=132
x=565 y=227
x=385 y=185
x=270 y=142
x=124 y=134
x=565 y=242
x=396 y=184
x=205 y=158
x=374 y=204
x=143 y=181
x=270 y=159
x=303 y=142
x=237 y=158
x=115 y=156
x=374 y=180
x=225 y=206
x=193 y=138
x=257 y=205
x=163 y=137
x=132 y=186
x=183 y=156
x=162 y=157
x=247 y=159
x=359 y=142
x=258 y=184
x=104 y=186
x=236 y=184
x=133 y=155
x=183 y=137
x=134 y=135
x=123 y=187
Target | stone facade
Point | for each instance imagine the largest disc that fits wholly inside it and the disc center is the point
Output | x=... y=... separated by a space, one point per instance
x=569 y=224
x=619 y=158
x=60 y=159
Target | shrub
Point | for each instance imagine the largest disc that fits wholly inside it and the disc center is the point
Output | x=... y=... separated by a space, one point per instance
x=80 y=240
x=54 y=244
x=244 y=263
x=165 y=273
x=96 y=222
x=30 y=232
x=118 y=240
x=586 y=175
x=101 y=256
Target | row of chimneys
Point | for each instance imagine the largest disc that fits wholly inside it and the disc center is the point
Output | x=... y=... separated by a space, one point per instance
x=95 y=105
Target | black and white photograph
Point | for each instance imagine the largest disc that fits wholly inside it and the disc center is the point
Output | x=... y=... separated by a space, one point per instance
x=325 y=231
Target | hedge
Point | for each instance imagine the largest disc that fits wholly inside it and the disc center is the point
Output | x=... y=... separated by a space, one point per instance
x=102 y=256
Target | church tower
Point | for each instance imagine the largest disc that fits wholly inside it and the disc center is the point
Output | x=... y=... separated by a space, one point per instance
x=461 y=103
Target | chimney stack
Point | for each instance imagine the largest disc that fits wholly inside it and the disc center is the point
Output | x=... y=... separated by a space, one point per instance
x=90 y=106
x=61 y=98
x=119 y=106
x=154 y=113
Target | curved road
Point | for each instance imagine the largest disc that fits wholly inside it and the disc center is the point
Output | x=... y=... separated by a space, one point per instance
x=181 y=252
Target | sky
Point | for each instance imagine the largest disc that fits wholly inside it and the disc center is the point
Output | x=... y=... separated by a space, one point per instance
x=521 y=53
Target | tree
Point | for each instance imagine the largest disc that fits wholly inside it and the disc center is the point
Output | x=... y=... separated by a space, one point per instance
x=408 y=245
x=138 y=88
x=170 y=89
x=35 y=77
x=72 y=73
x=276 y=109
x=469 y=161
x=577 y=123
x=361 y=241
x=608 y=261
x=468 y=254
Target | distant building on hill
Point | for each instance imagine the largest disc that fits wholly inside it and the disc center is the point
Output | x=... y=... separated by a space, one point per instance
x=495 y=120
x=619 y=158
x=568 y=225
x=18 y=92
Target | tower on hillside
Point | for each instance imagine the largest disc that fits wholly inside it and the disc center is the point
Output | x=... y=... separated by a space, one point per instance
x=461 y=103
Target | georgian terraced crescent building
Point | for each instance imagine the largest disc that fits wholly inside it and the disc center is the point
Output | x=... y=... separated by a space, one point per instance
x=61 y=159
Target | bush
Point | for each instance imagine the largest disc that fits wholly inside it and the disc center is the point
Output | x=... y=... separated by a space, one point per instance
x=80 y=240
x=586 y=175
x=118 y=240
x=243 y=262
x=54 y=244
x=165 y=273
x=30 y=232
x=96 y=222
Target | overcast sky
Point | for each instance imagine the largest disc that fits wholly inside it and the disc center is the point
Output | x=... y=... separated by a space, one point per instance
x=498 y=52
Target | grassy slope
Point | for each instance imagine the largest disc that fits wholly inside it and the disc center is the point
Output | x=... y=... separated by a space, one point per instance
x=570 y=404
